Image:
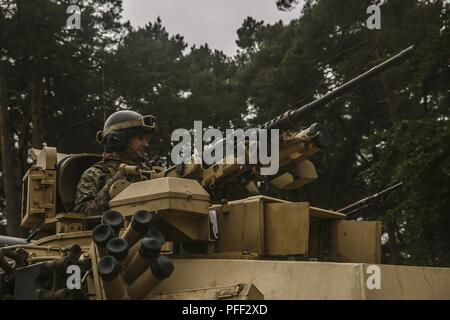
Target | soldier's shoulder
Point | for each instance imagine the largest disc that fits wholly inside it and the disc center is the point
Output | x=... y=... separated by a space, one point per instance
x=100 y=168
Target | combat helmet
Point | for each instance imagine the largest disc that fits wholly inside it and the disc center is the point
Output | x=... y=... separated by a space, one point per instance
x=121 y=125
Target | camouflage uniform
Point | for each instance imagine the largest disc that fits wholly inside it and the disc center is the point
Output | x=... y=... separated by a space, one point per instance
x=92 y=196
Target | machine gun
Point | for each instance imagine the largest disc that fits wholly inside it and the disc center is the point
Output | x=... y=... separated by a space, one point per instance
x=295 y=147
x=290 y=118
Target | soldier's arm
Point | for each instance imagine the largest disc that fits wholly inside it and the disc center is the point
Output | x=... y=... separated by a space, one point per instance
x=92 y=196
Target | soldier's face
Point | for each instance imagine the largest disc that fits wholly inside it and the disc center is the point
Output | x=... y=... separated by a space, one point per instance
x=140 y=144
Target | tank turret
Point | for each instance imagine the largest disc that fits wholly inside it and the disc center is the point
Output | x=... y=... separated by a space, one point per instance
x=204 y=231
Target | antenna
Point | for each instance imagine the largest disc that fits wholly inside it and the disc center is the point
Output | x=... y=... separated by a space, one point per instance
x=103 y=97
x=103 y=91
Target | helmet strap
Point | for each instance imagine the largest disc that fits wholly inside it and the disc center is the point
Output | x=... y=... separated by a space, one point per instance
x=139 y=157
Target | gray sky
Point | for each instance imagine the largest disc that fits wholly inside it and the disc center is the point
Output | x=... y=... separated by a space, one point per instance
x=205 y=21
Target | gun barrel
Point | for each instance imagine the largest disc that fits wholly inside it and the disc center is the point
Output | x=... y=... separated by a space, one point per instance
x=11 y=241
x=291 y=117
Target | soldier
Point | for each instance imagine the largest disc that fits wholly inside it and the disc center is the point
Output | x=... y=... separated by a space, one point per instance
x=126 y=136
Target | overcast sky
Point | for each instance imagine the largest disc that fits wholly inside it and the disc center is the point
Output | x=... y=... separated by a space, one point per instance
x=205 y=21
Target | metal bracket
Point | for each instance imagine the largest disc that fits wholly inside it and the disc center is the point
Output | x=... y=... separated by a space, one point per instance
x=230 y=293
x=215 y=226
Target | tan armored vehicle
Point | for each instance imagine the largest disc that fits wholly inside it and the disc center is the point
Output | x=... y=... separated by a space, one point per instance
x=171 y=236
